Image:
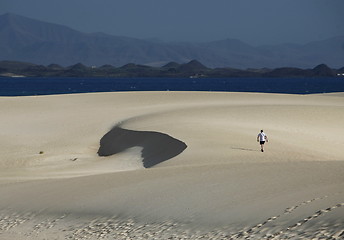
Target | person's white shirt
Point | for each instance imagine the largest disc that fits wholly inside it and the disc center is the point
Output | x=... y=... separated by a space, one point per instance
x=262 y=136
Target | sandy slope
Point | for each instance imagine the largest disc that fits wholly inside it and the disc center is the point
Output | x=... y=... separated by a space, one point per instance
x=220 y=186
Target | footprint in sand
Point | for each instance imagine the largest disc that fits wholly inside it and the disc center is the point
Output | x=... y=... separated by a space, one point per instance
x=11 y=220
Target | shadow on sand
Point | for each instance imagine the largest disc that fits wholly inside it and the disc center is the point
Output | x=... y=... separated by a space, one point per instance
x=157 y=147
x=245 y=149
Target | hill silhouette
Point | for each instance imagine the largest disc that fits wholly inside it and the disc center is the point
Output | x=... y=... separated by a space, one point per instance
x=28 y=40
x=192 y=69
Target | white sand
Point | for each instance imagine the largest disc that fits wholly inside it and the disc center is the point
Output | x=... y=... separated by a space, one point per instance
x=220 y=187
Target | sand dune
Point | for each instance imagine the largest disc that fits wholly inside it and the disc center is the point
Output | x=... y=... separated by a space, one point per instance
x=206 y=179
x=156 y=147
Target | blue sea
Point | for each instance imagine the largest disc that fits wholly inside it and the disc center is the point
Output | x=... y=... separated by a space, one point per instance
x=47 y=86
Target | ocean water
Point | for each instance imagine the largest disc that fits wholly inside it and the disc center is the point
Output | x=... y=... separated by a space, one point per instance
x=48 y=86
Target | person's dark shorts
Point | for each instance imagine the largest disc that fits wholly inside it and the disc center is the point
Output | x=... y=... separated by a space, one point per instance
x=262 y=142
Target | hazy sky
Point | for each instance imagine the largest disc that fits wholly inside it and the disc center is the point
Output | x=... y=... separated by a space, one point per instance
x=253 y=21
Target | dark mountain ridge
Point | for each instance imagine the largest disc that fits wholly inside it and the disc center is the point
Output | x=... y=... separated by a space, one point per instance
x=28 y=40
x=192 y=69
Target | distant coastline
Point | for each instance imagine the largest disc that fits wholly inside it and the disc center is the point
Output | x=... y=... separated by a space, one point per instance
x=192 y=69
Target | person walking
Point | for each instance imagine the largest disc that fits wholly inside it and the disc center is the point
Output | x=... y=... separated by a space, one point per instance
x=262 y=138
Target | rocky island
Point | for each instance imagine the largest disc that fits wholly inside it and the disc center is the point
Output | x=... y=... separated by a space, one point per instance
x=192 y=69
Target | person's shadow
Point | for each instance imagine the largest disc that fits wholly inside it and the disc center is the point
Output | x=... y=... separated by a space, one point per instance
x=245 y=149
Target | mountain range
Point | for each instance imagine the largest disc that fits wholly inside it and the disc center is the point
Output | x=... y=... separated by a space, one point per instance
x=28 y=40
x=192 y=69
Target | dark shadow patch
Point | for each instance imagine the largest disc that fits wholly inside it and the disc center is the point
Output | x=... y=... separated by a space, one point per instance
x=157 y=147
x=245 y=149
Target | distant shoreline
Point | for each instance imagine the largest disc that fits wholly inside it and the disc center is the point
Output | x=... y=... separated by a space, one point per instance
x=192 y=69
